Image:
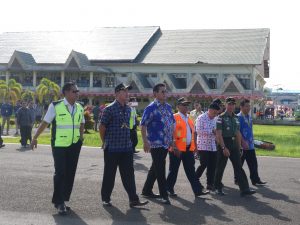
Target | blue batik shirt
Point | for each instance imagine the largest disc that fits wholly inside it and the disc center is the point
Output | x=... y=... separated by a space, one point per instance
x=115 y=118
x=246 y=129
x=159 y=120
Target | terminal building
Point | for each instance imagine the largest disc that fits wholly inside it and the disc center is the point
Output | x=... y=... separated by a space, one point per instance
x=198 y=64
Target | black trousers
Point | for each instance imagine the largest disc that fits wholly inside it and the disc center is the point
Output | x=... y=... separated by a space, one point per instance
x=250 y=157
x=96 y=121
x=188 y=161
x=133 y=138
x=208 y=159
x=65 y=164
x=1 y=140
x=157 y=171
x=25 y=134
x=123 y=160
x=235 y=158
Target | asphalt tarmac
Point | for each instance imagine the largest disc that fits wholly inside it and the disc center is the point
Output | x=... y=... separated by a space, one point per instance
x=26 y=185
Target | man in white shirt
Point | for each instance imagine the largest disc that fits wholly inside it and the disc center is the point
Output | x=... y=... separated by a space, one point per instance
x=196 y=112
x=67 y=120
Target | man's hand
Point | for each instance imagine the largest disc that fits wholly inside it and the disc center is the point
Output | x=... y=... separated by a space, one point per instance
x=146 y=146
x=33 y=144
x=177 y=152
x=245 y=145
x=226 y=152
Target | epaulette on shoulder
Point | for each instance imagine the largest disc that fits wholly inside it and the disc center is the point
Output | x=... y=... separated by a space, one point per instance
x=56 y=102
x=222 y=114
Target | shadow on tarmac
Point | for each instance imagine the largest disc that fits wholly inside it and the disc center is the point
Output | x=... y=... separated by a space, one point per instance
x=266 y=192
x=252 y=203
x=71 y=219
x=131 y=215
x=194 y=214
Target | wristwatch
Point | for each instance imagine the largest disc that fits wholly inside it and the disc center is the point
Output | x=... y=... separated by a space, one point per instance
x=223 y=147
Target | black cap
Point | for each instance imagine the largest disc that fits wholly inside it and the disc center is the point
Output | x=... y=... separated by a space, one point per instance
x=217 y=101
x=214 y=105
x=121 y=86
x=183 y=101
x=230 y=100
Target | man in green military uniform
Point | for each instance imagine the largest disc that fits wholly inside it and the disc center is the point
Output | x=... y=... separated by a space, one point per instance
x=229 y=143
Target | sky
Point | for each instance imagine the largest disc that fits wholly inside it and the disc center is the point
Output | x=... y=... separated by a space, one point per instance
x=280 y=16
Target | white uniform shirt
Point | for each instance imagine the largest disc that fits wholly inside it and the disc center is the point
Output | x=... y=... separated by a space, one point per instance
x=188 y=129
x=50 y=115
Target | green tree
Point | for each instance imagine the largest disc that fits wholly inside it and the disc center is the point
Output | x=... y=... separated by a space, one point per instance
x=28 y=95
x=10 y=91
x=47 y=91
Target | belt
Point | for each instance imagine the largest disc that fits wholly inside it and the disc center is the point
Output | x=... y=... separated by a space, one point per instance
x=229 y=138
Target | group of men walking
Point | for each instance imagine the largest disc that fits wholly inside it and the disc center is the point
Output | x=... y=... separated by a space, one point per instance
x=214 y=136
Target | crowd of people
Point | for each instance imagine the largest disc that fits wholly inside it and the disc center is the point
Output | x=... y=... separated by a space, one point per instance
x=26 y=116
x=213 y=137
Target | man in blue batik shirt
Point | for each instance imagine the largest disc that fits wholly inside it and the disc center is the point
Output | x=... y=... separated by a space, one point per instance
x=157 y=127
x=247 y=144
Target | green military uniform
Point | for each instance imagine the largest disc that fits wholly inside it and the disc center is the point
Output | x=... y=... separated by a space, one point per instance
x=229 y=125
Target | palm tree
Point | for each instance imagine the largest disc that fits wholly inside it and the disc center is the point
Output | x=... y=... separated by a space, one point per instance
x=47 y=91
x=10 y=91
x=28 y=95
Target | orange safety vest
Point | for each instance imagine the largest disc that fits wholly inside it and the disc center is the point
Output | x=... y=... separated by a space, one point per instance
x=180 y=133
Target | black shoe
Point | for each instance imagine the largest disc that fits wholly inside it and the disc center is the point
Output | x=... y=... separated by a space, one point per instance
x=219 y=192
x=203 y=192
x=68 y=208
x=150 y=195
x=137 y=203
x=1 y=146
x=210 y=187
x=247 y=192
x=172 y=194
x=106 y=203
x=165 y=201
x=259 y=183
x=136 y=151
x=61 y=209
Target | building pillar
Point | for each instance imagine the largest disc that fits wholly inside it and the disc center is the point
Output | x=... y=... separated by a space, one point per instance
x=34 y=79
x=103 y=80
x=62 y=78
x=7 y=76
x=90 y=100
x=91 y=79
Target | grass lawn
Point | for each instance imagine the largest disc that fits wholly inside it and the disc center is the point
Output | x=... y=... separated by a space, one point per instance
x=286 y=139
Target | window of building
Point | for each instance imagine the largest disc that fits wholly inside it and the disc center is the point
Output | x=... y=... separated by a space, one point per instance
x=212 y=83
x=110 y=81
x=2 y=75
x=25 y=78
x=245 y=83
x=53 y=76
x=97 y=79
x=244 y=79
x=211 y=79
x=82 y=79
x=179 y=80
